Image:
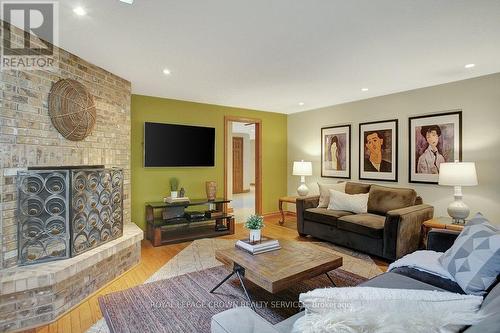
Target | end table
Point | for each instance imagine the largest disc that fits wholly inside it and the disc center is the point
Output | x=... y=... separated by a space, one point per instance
x=289 y=199
x=438 y=223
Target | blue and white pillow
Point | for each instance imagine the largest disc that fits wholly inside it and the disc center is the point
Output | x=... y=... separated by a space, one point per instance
x=474 y=258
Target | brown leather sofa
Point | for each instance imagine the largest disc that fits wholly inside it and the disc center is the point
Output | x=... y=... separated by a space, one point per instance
x=390 y=229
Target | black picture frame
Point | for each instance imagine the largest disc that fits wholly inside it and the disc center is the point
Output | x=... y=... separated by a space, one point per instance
x=392 y=176
x=348 y=152
x=411 y=143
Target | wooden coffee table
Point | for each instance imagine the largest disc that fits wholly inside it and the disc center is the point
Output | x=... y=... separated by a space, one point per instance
x=280 y=269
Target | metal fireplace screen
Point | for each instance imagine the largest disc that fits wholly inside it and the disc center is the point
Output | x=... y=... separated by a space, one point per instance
x=43 y=214
x=97 y=208
x=67 y=212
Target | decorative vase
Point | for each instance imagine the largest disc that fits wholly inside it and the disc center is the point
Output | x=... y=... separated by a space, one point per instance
x=173 y=194
x=255 y=235
x=211 y=188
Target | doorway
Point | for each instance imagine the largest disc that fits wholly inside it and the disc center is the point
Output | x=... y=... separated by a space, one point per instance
x=243 y=166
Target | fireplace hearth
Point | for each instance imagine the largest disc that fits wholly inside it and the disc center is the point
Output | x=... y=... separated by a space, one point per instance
x=66 y=211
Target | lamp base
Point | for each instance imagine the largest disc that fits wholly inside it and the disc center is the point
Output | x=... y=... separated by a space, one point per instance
x=458 y=210
x=303 y=190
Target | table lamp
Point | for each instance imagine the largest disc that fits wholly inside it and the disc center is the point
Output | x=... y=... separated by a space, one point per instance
x=458 y=174
x=302 y=169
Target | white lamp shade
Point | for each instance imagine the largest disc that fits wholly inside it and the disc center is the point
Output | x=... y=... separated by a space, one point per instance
x=302 y=168
x=457 y=174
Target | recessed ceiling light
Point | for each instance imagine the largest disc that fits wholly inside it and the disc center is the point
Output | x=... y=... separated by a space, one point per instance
x=166 y=71
x=80 y=11
x=128 y=1
x=302 y=103
x=364 y=89
x=470 y=65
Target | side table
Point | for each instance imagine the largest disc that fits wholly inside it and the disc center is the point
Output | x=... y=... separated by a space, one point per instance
x=290 y=199
x=438 y=223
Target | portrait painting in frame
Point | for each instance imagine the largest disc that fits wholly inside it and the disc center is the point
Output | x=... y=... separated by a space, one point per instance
x=378 y=150
x=336 y=151
x=433 y=139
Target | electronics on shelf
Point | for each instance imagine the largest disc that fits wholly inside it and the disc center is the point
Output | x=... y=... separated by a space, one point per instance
x=194 y=216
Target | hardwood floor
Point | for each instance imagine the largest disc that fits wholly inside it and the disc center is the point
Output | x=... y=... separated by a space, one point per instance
x=83 y=316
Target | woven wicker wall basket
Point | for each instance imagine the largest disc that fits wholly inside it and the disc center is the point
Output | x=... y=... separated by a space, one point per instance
x=72 y=109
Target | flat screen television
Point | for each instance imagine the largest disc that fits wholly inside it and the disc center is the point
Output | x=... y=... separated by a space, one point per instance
x=170 y=145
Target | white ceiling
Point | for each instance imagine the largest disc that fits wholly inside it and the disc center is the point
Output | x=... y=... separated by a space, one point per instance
x=272 y=54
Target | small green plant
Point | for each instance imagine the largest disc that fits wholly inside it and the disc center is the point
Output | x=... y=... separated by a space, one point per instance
x=254 y=222
x=174 y=184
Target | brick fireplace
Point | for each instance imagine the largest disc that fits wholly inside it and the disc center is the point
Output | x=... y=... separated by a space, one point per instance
x=37 y=294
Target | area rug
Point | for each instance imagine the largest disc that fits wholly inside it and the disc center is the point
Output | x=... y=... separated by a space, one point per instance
x=184 y=303
x=200 y=256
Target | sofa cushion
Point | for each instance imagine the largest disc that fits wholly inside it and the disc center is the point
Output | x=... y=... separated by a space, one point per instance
x=398 y=281
x=356 y=188
x=383 y=199
x=241 y=320
x=492 y=300
x=371 y=225
x=286 y=326
x=429 y=278
x=491 y=308
x=323 y=215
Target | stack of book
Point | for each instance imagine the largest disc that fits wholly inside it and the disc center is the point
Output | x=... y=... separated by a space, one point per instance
x=176 y=200
x=266 y=244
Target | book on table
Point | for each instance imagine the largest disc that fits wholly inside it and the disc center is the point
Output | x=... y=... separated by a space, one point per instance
x=176 y=200
x=260 y=251
x=266 y=244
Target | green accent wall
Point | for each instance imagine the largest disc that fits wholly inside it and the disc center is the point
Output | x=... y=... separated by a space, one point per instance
x=152 y=184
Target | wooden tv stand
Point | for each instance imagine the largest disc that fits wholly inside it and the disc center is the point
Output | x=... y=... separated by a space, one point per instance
x=179 y=228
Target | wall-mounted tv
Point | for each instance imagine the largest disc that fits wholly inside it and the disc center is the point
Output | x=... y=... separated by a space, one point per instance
x=170 y=145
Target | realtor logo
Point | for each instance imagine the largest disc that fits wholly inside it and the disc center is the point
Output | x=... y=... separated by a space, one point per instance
x=33 y=48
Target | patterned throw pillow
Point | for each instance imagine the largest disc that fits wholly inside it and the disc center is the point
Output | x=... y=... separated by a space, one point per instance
x=474 y=258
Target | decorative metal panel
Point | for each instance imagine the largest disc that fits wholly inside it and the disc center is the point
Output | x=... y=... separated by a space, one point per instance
x=67 y=212
x=97 y=208
x=43 y=215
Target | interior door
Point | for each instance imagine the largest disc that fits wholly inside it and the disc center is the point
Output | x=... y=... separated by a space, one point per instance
x=237 y=165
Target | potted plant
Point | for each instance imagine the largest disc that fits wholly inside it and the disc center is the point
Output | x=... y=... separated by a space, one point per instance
x=255 y=223
x=174 y=186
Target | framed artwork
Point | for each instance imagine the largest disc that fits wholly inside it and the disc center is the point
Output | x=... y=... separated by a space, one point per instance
x=336 y=151
x=378 y=150
x=434 y=139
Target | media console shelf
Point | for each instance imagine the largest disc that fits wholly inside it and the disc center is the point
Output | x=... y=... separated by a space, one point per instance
x=178 y=228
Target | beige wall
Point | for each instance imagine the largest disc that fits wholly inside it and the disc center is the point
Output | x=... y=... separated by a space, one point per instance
x=479 y=99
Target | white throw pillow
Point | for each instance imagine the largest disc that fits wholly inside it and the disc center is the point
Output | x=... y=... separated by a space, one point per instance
x=324 y=192
x=355 y=203
x=358 y=309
